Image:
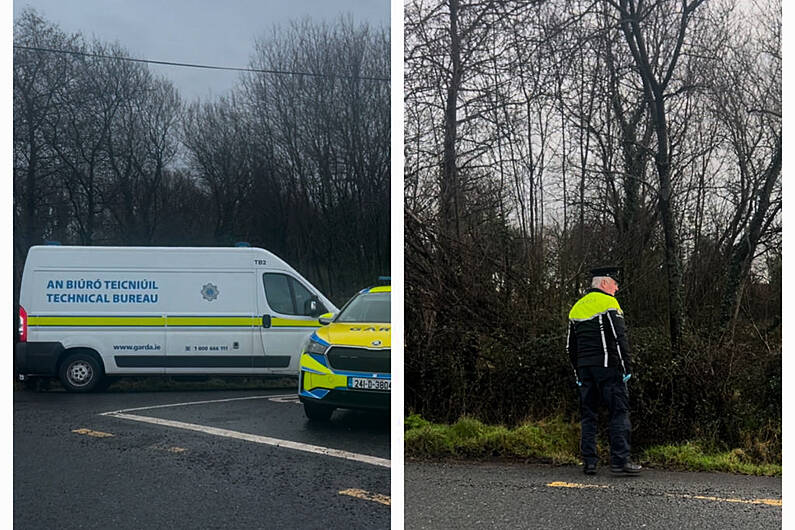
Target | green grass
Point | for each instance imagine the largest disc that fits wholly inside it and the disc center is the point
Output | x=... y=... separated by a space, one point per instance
x=691 y=457
x=556 y=441
x=552 y=440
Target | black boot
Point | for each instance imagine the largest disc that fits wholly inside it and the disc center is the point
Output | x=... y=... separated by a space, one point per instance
x=627 y=469
x=589 y=469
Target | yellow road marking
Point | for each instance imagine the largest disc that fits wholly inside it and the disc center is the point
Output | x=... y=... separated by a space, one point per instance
x=574 y=485
x=174 y=449
x=768 y=502
x=95 y=434
x=361 y=494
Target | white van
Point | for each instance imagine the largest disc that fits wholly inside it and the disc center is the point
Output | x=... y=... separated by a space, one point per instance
x=87 y=312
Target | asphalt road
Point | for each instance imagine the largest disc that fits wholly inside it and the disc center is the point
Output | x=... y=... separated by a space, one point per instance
x=460 y=495
x=221 y=471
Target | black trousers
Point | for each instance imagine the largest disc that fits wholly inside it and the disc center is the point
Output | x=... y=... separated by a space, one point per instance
x=601 y=384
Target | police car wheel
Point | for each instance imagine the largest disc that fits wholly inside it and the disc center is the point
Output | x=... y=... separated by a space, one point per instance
x=317 y=412
x=80 y=372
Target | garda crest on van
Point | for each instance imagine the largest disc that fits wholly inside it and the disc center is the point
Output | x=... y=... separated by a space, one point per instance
x=210 y=292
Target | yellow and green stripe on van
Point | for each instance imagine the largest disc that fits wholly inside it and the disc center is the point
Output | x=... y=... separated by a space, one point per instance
x=166 y=321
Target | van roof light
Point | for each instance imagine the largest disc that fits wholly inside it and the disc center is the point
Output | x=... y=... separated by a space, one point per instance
x=242 y=244
x=53 y=243
x=385 y=279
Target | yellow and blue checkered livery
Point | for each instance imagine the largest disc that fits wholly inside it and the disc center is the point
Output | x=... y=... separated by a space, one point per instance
x=347 y=362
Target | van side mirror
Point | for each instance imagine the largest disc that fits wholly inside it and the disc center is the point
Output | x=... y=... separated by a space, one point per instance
x=313 y=307
x=266 y=321
x=326 y=319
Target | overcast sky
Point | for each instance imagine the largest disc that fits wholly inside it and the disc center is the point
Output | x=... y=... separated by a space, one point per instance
x=210 y=32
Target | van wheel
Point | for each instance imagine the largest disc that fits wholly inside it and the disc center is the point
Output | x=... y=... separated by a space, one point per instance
x=80 y=372
x=317 y=412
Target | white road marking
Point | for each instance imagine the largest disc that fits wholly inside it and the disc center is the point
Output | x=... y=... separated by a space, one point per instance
x=286 y=399
x=193 y=403
x=367 y=459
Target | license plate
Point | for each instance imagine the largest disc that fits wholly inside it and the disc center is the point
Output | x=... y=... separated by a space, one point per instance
x=365 y=383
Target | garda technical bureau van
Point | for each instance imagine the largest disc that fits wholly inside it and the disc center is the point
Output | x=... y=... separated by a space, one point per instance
x=88 y=312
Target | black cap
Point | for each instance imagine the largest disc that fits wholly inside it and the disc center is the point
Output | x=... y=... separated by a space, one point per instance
x=611 y=271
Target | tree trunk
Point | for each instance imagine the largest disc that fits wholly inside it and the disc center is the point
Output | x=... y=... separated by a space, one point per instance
x=448 y=185
x=743 y=252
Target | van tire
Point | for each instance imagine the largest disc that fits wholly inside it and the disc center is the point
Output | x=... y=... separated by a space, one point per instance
x=80 y=372
x=317 y=412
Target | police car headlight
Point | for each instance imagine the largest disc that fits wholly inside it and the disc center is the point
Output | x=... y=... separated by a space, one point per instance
x=315 y=345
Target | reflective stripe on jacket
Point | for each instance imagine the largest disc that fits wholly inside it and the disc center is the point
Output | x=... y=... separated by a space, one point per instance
x=597 y=335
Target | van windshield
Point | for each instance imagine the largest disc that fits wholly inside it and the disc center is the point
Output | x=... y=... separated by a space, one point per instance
x=367 y=307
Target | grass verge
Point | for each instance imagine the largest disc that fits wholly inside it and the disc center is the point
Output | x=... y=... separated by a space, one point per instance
x=691 y=457
x=553 y=441
x=556 y=441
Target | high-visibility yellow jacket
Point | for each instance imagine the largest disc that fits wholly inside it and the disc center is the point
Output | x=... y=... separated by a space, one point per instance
x=597 y=335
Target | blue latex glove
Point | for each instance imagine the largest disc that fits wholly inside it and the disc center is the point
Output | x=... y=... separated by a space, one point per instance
x=626 y=377
x=579 y=383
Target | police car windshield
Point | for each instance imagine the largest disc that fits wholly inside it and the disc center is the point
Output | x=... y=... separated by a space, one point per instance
x=367 y=307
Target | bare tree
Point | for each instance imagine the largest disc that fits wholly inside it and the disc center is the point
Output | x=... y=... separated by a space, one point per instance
x=220 y=145
x=37 y=81
x=141 y=145
x=656 y=64
x=746 y=99
x=584 y=131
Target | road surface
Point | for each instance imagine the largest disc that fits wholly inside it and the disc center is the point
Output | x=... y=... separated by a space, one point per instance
x=492 y=495
x=211 y=459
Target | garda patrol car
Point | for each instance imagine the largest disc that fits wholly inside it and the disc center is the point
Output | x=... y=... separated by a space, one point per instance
x=346 y=363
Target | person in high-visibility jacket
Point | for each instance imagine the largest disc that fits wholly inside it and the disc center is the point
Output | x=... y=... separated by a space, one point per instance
x=600 y=356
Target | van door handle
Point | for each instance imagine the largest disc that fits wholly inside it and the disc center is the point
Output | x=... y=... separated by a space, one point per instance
x=266 y=321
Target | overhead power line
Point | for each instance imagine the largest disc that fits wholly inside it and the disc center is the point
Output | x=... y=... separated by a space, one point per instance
x=205 y=66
